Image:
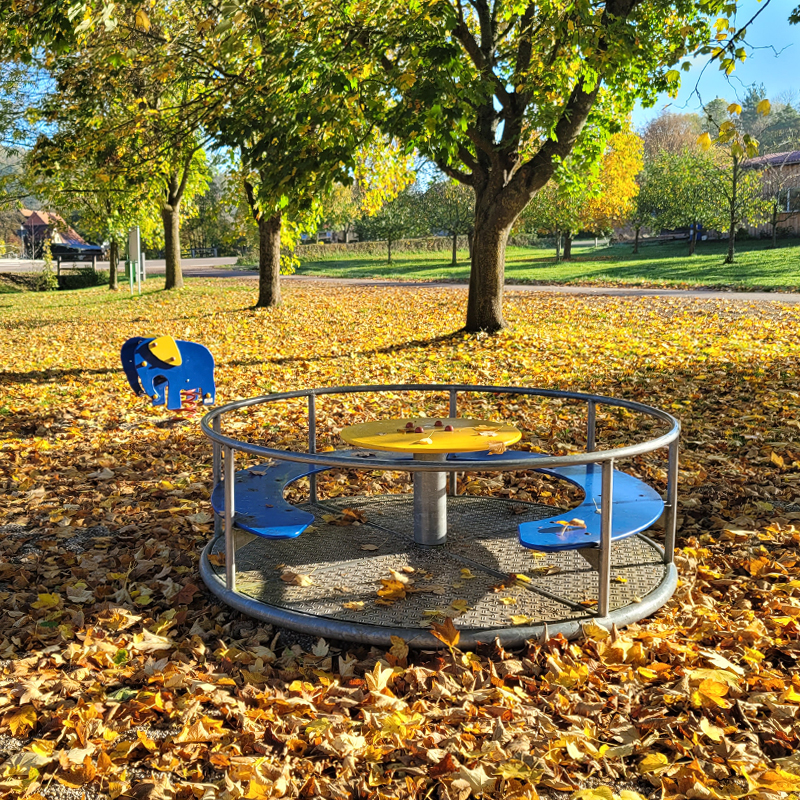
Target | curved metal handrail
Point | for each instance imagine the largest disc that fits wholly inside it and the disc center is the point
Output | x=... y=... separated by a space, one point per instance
x=497 y=463
x=211 y=424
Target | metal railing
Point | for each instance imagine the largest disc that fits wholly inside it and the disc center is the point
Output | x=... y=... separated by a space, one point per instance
x=225 y=448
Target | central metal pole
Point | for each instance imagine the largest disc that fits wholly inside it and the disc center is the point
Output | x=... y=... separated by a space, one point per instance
x=591 y=426
x=430 y=503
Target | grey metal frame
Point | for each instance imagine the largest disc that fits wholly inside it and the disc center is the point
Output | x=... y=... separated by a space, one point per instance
x=428 y=469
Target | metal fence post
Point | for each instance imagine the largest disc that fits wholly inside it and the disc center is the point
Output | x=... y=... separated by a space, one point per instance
x=312 y=442
x=671 y=504
x=606 y=498
x=591 y=426
x=216 y=474
x=230 y=544
x=452 y=412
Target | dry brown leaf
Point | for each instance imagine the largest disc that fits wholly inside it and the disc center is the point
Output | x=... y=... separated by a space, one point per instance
x=296 y=578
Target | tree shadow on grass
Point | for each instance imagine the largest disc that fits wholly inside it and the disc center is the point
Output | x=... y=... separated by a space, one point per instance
x=47 y=376
x=414 y=344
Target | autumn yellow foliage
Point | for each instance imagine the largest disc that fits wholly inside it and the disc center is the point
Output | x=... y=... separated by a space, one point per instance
x=611 y=203
x=122 y=676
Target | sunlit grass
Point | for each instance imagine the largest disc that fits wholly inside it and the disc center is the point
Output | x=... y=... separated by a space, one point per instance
x=757 y=266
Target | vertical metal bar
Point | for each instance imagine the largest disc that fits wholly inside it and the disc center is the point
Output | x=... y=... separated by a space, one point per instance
x=452 y=412
x=230 y=544
x=606 y=498
x=312 y=441
x=591 y=426
x=671 y=504
x=216 y=474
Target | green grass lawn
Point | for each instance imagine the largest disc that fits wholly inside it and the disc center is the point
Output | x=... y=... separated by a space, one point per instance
x=664 y=264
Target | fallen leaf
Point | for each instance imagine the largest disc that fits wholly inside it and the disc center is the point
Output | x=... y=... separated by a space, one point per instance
x=653 y=762
x=21 y=720
x=446 y=632
x=296 y=578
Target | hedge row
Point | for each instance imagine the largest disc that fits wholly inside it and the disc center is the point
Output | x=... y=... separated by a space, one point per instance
x=430 y=244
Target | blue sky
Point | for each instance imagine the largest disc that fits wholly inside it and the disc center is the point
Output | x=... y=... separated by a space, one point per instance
x=774 y=60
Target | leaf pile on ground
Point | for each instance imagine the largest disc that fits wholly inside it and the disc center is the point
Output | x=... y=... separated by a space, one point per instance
x=122 y=677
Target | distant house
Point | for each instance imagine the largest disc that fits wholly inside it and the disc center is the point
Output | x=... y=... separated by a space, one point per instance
x=781 y=180
x=66 y=244
x=330 y=237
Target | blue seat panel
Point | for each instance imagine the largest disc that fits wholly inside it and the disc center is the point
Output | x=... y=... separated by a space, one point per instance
x=635 y=507
x=259 y=504
x=260 y=508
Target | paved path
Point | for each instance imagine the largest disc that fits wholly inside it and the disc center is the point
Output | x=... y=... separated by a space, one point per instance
x=216 y=268
x=613 y=291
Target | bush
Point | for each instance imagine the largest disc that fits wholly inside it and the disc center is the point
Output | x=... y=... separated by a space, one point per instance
x=83 y=278
x=46 y=280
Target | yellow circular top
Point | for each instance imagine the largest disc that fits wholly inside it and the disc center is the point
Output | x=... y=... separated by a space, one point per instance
x=467 y=436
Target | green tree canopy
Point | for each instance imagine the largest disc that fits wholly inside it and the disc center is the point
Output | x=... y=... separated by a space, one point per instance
x=498 y=93
x=449 y=207
x=401 y=218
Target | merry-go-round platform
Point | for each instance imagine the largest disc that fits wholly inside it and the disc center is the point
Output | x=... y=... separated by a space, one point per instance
x=372 y=566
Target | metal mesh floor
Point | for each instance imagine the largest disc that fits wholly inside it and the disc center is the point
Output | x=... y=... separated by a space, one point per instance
x=467 y=578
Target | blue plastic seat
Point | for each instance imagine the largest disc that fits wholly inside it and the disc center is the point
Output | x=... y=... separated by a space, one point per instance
x=259 y=504
x=262 y=510
x=260 y=507
x=634 y=508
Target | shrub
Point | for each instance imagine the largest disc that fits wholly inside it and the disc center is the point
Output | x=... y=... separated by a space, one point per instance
x=46 y=280
x=83 y=278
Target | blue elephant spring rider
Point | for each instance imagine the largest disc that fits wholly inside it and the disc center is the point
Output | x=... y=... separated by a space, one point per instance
x=162 y=368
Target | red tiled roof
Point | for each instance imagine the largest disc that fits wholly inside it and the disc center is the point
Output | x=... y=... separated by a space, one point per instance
x=786 y=159
x=62 y=233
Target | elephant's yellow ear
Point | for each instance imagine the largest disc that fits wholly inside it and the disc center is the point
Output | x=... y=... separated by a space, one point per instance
x=165 y=349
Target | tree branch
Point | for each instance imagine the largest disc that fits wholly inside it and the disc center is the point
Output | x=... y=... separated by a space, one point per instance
x=535 y=173
x=456 y=174
x=467 y=158
x=482 y=62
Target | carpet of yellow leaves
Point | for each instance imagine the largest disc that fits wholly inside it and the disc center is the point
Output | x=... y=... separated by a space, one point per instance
x=123 y=678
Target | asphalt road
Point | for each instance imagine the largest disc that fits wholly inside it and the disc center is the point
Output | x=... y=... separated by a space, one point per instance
x=214 y=268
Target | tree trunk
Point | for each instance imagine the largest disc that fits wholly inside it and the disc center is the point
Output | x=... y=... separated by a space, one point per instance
x=636 y=240
x=558 y=247
x=269 y=261
x=389 y=250
x=568 y=246
x=729 y=259
x=486 y=279
x=469 y=244
x=171 y=216
x=455 y=247
x=774 y=224
x=113 y=266
x=693 y=239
